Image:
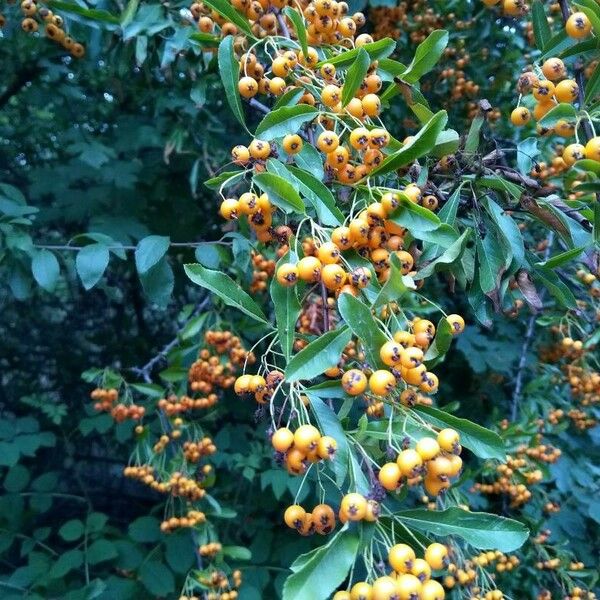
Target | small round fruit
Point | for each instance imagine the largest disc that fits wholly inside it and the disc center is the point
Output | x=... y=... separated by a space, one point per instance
x=432 y=590
x=449 y=440
x=333 y=276
x=520 y=116
x=309 y=269
x=566 y=91
x=410 y=462
x=437 y=556
x=553 y=69
x=292 y=143
x=457 y=323
x=420 y=569
x=328 y=141
x=323 y=518
x=578 y=25
x=328 y=253
x=408 y=587
x=342 y=595
x=389 y=476
x=572 y=153
x=229 y=209
x=391 y=353
x=326 y=447
x=341 y=237
x=592 y=149
x=247 y=87
x=287 y=274
x=411 y=357
x=240 y=155
x=354 y=382
x=282 y=439
x=354 y=506
x=384 y=588
x=306 y=438
x=543 y=91
x=371 y=105
x=361 y=591
x=401 y=558
x=294 y=516
x=382 y=382
x=427 y=448
x=259 y=149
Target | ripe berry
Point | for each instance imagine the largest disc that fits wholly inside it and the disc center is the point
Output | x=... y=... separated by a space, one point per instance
x=382 y=382
x=437 y=556
x=578 y=25
x=287 y=274
x=410 y=462
x=354 y=382
x=427 y=448
x=572 y=153
x=294 y=516
x=292 y=144
x=247 y=87
x=389 y=476
x=282 y=439
x=309 y=269
x=401 y=558
x=306 y=438
x=520 y=116
x=353 y=507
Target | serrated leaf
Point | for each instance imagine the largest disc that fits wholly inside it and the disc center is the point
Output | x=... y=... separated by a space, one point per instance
x=228 y=290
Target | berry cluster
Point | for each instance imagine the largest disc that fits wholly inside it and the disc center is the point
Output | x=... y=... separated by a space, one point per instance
x=105 y=401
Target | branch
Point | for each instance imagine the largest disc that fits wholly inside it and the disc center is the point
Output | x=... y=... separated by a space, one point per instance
x=516 y=398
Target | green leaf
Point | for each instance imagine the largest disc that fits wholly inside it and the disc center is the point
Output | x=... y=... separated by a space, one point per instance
x=225 y=9
x=284 y=120
x=129 y=12
x=495 y=182
x=481 y=530
x=427 y=55
x=45 y=269
x=149 y=251
x=587 y=164
x=317 y=574
x=228 y=70
x=508 y=231
x=448 y=212
x=396 y=286
x=157 y=578
x=320 y=355
x=549 y=279
x=71 y=530
x=287 y=308
x=102 y=16
x=100 y=551
x=422 y=143
x=280 y=192
x=329 y=424
x=448 y=258
x=298 y=23
x=145 y=530
x=441 y=343
x=527 y=151
x=238 y=552
x=481 y=441
x=592 y=86
x=158 y=282
x=355 y=75
x=560 y=259
x=224 y=179
x=67 y=562
x=490 y=261
x=472 y=142
x=447 y=142
x=541 y=29
x=414 y=217
x=289 y=98
x=560 y=111
x=319 y=195
x=91 y=262
x=376 y=50
x=16 y=479
x=228 y=290
x=151 y=390
x=359 y=318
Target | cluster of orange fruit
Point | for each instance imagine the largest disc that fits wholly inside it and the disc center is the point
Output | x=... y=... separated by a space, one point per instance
x=194 y=451
x=433 y=461
x=575 y=593
x=410 y=577
x=304 y=446
x=465 y=574
x=105 y=400
x=35 y=15
x=522 y=465
x=262 y=388
x=263 y=269
x=211 y=549
x=353 y=507
x=221 y=586
x=214 y=369
x=590 y=280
